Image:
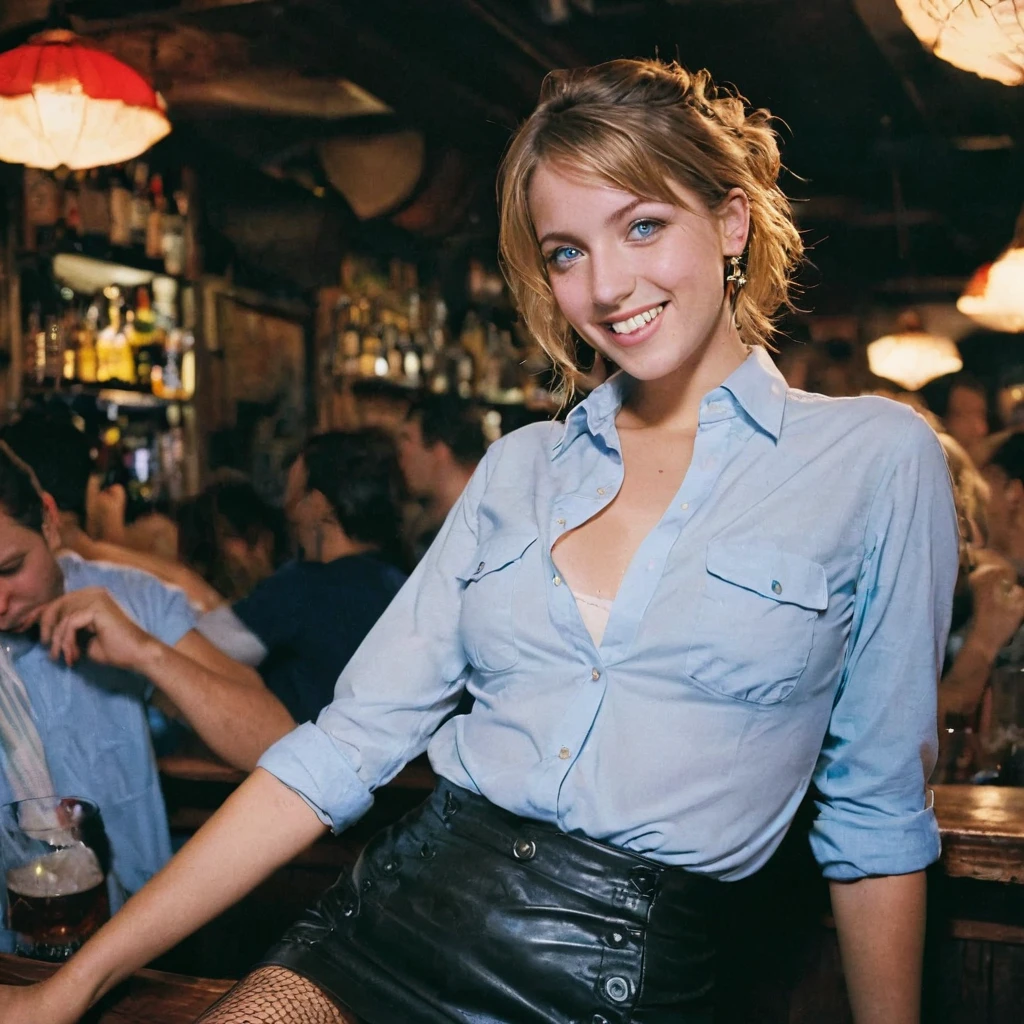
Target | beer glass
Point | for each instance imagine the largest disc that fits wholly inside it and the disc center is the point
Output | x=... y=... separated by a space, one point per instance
x=55 y=858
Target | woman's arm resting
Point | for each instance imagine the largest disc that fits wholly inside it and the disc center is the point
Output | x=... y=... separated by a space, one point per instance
x=261 y=826
x=880 y=922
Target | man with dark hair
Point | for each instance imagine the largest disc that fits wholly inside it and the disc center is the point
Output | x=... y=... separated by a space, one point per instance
x=301 y=625
x=961 y=402
x=439 y=446
x=1005 y=515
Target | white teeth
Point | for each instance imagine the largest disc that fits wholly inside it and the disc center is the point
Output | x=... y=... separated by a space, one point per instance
x=630 y=325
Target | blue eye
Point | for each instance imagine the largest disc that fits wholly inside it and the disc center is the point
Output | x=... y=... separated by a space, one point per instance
x=644 y=229
x=564 y=255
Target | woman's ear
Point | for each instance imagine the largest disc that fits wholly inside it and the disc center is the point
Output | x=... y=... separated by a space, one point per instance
x=51 y=523
x=734 y=222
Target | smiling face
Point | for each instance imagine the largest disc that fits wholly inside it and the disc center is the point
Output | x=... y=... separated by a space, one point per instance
x=29 y=573
x=640 y=280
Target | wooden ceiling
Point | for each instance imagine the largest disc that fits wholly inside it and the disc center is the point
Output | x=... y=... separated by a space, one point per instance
x=908 y=173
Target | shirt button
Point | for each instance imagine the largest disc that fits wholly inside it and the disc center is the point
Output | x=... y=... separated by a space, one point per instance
x=600 y=490
x=565 y=753
x=561 y=522
x=595 y=675
x=685 y=505
x=557 y=580
x=480 y=567
x=776 y=587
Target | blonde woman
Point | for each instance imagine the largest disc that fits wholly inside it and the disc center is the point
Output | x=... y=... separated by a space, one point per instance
x=677 y=610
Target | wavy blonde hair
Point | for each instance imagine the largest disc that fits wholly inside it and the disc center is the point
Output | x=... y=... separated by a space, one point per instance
x=641 y=125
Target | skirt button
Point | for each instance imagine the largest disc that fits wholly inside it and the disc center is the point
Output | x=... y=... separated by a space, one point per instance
x=617 y=989
x=524 y=849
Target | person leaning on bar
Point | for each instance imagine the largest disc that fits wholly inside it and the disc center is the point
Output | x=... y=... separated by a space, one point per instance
x=767 y=576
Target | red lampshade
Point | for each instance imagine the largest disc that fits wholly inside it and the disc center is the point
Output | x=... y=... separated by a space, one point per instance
x=63 y=102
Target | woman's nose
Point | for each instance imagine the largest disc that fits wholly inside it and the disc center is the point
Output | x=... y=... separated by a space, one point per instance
x=612 y=280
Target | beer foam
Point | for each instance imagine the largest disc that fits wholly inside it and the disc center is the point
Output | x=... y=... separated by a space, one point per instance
x=64 y=872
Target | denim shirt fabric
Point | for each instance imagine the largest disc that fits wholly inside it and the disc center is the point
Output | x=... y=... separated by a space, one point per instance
x=782 y=624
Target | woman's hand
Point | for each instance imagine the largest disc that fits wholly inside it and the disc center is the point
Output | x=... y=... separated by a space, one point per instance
x=91 y=623
x=48 y=1002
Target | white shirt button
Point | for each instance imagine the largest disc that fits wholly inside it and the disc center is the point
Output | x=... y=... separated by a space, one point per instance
x=685 y=505
x=561 y=522
x=564 y=754
x=557 y=580
x=776 y=587
x=595 y=675
x=600 y=490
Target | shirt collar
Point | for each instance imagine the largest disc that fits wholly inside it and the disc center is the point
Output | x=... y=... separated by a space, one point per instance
x=756 y=385
x=759 y=389
x=596 y=413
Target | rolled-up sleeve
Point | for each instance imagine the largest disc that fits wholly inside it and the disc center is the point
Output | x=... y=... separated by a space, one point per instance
x=397 y=688
x=874 y=813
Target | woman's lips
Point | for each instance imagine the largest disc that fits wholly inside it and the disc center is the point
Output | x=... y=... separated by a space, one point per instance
x=641 y=334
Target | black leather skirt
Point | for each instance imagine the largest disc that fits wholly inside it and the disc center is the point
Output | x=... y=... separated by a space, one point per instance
x=464 y=912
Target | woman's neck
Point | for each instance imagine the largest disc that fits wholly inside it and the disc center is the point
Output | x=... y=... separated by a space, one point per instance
x=673 y=402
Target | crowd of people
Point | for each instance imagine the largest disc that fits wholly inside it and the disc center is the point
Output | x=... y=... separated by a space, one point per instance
x=126 y=653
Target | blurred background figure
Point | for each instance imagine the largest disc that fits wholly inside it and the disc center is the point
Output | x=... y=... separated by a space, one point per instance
x=380 y=404
x=439 y=446
x=62 y=457
x=301 y=625
x=960 y=400
x=988 y=609
x=1004 y=474
x=231 y=537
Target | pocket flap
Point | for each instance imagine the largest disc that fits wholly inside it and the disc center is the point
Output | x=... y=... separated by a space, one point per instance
x=779 y=575
x=495 y=552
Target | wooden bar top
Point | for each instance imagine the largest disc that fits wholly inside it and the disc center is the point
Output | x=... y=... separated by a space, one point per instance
x=982 y=832
x=147 y=996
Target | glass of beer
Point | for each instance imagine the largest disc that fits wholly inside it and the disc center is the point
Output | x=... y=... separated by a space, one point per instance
x=55 y=857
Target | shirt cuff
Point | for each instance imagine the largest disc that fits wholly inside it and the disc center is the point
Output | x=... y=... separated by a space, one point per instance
x=849 y=849
x=309 y=764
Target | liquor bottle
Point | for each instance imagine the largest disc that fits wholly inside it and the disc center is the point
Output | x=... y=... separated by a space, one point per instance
x=155 y=220
x=42 y=207
x=71 y=212
x=94 y=206
x=120 y=208
x=86 y=369
x=142 y=203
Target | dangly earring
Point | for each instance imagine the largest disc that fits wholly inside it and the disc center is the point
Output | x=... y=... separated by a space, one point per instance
x=735 y=277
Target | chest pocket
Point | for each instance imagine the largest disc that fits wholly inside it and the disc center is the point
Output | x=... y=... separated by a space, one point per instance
x=754 y=623
x=487 y=623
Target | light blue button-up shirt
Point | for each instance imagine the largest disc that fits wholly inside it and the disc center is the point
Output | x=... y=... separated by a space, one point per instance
x=782 y=625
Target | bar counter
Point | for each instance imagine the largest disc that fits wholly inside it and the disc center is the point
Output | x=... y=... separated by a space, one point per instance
x=152 y=997
x=982 y=832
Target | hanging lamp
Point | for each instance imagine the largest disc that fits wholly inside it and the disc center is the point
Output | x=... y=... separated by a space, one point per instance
x=911 y=356
x=994 y=296
x=983 y=36
x=63 y=102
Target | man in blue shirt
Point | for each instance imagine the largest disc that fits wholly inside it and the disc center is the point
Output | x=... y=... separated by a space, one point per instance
x=89 y=643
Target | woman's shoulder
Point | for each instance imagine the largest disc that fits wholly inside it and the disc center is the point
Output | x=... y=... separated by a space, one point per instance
x=864 y=419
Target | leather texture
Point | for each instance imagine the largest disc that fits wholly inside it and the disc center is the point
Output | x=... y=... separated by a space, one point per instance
x=461 y=912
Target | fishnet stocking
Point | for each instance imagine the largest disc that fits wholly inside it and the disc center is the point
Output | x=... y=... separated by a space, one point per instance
x=274 y=995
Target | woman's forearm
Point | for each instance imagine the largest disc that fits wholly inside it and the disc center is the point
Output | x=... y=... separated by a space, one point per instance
x=261 y=826
x=880 y=923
